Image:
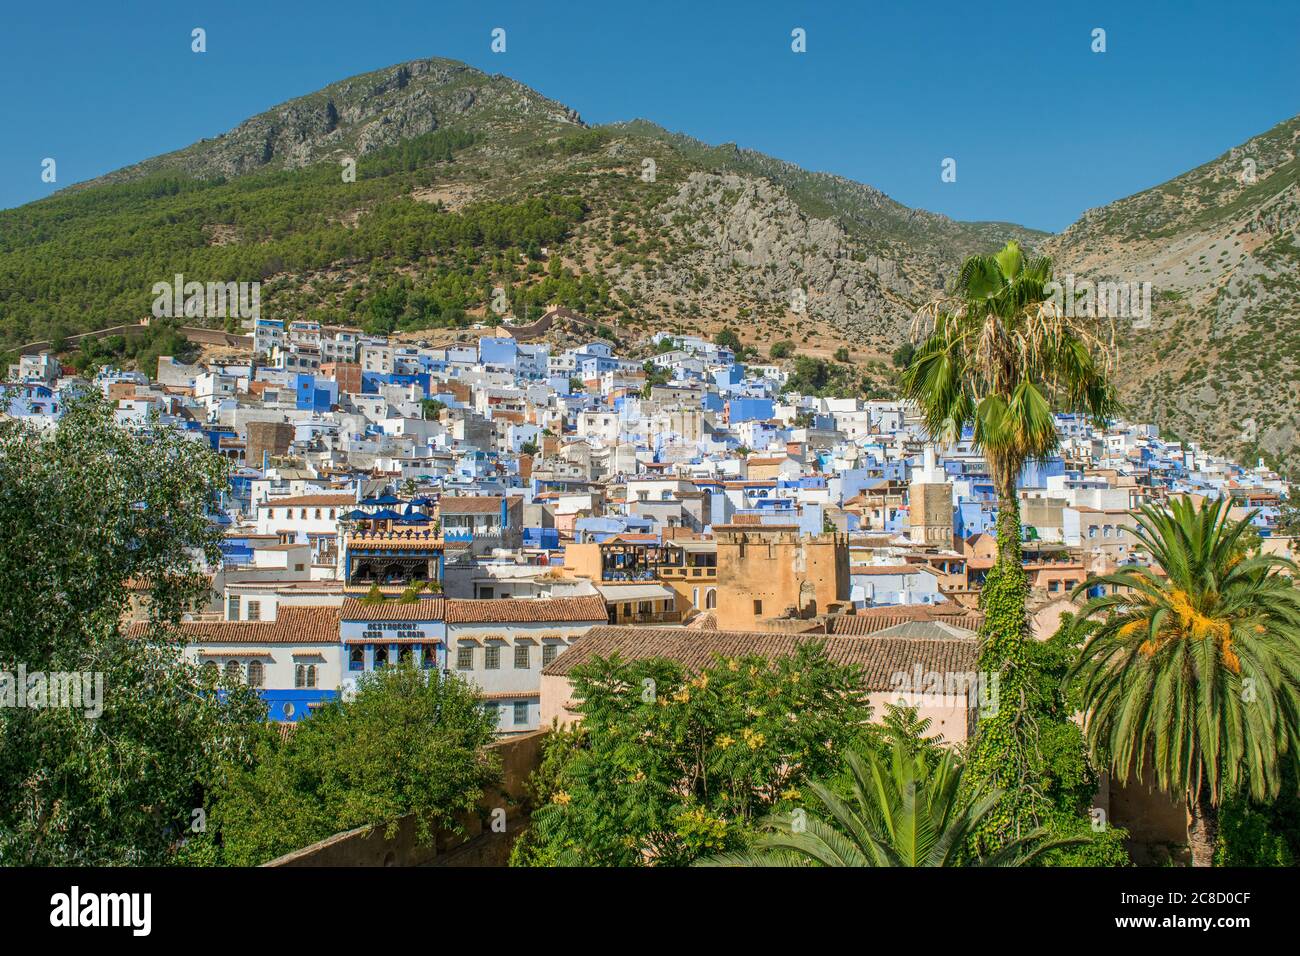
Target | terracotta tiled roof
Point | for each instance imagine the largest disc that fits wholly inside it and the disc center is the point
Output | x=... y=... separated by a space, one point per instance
x=527 y=610
x=881 y=659
x=878 y=618
x=293 y=625
x=425 y=609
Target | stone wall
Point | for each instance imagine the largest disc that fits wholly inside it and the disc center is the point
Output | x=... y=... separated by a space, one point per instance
x=478 y=845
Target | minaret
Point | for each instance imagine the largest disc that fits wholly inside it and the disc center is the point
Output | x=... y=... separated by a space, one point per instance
x=929 y=501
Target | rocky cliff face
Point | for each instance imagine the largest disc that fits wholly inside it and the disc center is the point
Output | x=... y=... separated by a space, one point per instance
x=360 y=115
x=1221 y=247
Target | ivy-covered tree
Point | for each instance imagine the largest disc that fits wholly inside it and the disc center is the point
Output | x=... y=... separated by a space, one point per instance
x=1000 y=357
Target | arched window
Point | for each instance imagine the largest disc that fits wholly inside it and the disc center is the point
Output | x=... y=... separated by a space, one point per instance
x=381 y=657
x=256 y=674
x=233 y=670
x=428 y=656
x=406 y=654
x=300 y=676
x=357 y=659
x=711 y=599
x=311 y=675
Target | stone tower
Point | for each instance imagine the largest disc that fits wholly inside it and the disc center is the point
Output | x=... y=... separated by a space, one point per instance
x=929 y=502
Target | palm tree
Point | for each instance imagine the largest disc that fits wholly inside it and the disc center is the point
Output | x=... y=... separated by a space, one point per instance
x=907 y=810
x=1002 y=356
x=1194 y=671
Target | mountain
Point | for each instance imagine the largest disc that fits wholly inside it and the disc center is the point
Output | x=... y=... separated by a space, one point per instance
x=468 y=183
x=1221 y=247
x=361 y=115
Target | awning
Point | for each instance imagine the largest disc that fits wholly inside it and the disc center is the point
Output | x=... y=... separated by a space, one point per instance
x=617 y=593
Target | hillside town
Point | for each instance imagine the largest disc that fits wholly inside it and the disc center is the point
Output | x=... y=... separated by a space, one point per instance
x=505 y=509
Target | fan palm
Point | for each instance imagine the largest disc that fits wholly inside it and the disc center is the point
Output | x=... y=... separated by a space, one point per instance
x=1001 y=356
x=907 y=809
x=1194 y=671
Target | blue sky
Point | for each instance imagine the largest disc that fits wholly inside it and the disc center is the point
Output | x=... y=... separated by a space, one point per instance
x=1041 y=127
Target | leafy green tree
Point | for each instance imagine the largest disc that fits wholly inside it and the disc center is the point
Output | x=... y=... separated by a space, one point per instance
x=728 y=339
x=410 y=743
x=668 y=766
x=93 y=514
x=902 y=356
x=780 y=350
x=906 y=809
x=1194 y=673
x=1262 y=833
x=431 y=407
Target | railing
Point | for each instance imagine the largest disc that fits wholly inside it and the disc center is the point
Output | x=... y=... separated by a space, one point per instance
x=650 y=617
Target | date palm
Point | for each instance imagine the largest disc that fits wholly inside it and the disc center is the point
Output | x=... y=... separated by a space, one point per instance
x=1193 y=671
x=907 y=809
x=1001 y=356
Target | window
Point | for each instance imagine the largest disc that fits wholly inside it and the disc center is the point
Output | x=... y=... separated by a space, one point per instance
x=255 y=674
x=381 y=657
x=357 y=659
x=302 y=514
x=331 y=514
x=492 y=657
x=465 y=657
x=316 y=514
x=758 y=607
x=300 y=675
x=311 y=675
x=490 y=708
x=233 y=670
x=548 y=653
x=406 y=654
x=710 y=599
x=232 y=607
x=521 y=712
x=254 y=610
x=522 y=657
